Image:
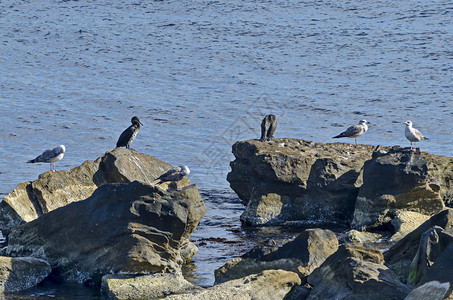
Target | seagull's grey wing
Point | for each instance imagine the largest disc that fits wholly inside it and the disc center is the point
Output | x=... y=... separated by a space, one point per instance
x=47 y=155
x=353 y=130
x=171 y=175
x=419 y=135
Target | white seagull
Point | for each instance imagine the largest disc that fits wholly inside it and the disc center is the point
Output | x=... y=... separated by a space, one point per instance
x=175 y=174
x=412 y=134
x=354 y=131
x=50 y=156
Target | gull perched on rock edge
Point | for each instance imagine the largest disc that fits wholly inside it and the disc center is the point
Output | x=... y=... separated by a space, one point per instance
x=50 y=156
x=174 y=175
x=354 y=131
x=412 y=134
x=129 y=133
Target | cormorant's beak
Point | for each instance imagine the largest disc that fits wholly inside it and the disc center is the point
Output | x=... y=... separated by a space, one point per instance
x=140 y=123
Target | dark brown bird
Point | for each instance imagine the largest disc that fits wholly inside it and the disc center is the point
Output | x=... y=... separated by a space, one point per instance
x=268 y=127
x=129 y=134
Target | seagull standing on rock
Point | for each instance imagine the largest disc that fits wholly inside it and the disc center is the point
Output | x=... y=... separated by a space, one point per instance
x=129 y=134
x=50 y=156
x=354 y=131
x=412 y=134
x=174 y=175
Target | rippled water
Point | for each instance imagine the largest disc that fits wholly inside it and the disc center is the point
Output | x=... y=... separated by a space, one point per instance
x=202 y=74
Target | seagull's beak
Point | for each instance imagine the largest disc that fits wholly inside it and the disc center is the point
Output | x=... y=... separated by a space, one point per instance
x=368 y=122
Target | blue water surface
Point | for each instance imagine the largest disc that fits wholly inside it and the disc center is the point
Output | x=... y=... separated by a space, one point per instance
x=202 y=74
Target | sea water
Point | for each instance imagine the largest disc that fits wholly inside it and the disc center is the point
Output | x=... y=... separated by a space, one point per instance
x=201 y=75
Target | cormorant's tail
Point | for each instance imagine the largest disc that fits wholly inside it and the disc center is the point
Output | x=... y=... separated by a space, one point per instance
x=32 y=161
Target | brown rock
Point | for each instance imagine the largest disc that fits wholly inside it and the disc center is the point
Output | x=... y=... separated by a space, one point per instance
x=297 y=182
x=131 y=228
x=302 y=255
x=354 y=272
x=395 y=179
x=269 y=285
x=21 y=273
x=53 y=190
x=399 y=256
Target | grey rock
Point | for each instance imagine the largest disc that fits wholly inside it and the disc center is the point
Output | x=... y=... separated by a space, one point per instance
x=432 y=290
x=355 y=272
x=131 y=228
x=302 y=255
x=20 y=273
x=269 y=285
x=297 y=182
x=53 y=190
x=437 y=282
x=362 y=237
x=120 y=286
x=405 y=222
x=399 y=257
x=394 y=180
x=429 y=250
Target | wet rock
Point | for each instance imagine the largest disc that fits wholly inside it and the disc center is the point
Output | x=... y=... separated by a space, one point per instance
x=302 y=255
x=270 y=285
x=120 y=286
x=354 y=272
x=393 y=180
x=53 y=190
x=399 y=257
x=297 y=182
x=21 y=273
x=130 y=228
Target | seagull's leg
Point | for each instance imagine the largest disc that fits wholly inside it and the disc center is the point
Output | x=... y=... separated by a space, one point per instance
x=355 y=141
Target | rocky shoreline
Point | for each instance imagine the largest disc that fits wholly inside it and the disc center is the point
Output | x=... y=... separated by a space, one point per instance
x=107 y=223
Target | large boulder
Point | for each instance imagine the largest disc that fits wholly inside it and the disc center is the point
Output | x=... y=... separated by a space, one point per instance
x=130 y=228
x=21 y=273
x=297 y=182
x=437 y=282
x=355 y=272
x=302 y=255
x=120 y=286
x=429 y=249
x=395 y=179
x=56 y=189
x=269 y=285
x=400 y=256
